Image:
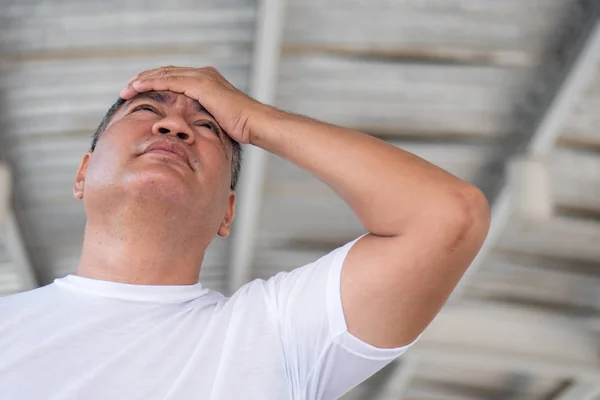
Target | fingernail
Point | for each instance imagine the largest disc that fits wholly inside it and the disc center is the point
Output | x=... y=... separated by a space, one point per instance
x=133 y=79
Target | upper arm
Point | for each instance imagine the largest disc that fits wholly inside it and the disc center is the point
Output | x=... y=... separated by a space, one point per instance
x=322 y=359
x=392 y=287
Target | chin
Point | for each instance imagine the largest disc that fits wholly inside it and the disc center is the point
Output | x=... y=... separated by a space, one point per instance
x=164 y=185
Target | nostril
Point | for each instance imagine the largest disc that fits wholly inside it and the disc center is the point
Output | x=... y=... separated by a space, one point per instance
x=183 y=136
x=164 y=131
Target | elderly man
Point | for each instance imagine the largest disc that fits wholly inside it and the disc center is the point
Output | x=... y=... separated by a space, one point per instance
x=158 y=184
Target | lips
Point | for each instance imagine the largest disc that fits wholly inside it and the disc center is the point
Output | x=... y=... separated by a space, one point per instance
x=170 y=147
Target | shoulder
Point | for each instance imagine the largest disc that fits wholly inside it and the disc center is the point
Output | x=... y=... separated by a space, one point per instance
x=251 y=298
x=33 y=302
x=24 y=297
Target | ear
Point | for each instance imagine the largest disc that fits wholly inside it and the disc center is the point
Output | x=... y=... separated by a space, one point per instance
x=79 y=183
x=225 y=228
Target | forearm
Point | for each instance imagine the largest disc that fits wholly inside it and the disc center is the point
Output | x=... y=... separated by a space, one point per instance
x=387 y=187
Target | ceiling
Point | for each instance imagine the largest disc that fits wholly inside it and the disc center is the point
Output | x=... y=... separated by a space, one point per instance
x=470 y=85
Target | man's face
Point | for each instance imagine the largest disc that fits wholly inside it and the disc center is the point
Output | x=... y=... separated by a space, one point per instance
x=162 y=147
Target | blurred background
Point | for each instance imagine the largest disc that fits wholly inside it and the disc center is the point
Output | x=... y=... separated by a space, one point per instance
x=503 y=93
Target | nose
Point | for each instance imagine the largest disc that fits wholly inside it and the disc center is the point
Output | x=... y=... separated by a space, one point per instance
x=176 y=127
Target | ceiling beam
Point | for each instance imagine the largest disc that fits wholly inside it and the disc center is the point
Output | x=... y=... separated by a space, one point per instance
x=535 y=282
x=267 y=49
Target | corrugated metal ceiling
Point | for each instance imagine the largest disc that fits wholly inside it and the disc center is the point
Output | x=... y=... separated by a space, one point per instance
x=441 y=78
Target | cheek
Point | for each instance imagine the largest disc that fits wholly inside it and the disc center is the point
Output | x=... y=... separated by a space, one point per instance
x=221 y=176
x=212 y=156
x=108 y=158
x=102 y=169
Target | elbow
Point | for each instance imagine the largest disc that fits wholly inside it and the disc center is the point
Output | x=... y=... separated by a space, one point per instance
x=475 y=204
x=468 y=216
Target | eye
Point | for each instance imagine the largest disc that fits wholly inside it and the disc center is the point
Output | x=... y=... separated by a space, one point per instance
x=207 y=125
x=145 y=107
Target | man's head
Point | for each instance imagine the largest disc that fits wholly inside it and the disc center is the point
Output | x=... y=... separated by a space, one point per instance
x=162 y=151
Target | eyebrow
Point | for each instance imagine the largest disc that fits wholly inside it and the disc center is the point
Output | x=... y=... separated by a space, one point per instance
x=164 y=98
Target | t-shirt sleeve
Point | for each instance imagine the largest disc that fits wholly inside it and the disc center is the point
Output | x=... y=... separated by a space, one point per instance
x=323 y=359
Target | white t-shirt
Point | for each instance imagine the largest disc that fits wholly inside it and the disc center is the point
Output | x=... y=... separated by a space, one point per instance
x=285 y=338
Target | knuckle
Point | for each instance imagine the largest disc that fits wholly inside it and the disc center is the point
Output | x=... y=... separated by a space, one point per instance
x=163 y=71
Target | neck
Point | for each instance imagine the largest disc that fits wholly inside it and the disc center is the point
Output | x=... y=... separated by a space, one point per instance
x=144 y=253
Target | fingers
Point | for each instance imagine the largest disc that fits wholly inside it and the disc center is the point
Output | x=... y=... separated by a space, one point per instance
x=134 y=87
x=189 y=86
x=164 y=78
x=128 y=92
x=173 y=83
x=169 y=70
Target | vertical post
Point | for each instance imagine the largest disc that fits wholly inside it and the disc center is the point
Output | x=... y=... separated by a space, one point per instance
x=267 y=51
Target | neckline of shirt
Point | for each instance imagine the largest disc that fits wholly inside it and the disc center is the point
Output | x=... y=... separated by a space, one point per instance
x=132 y=292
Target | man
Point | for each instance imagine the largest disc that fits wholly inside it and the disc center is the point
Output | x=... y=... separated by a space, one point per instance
x=133 y=323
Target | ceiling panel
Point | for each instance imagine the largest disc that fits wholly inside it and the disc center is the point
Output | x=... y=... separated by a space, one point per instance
x=440 y=78
x=506 y=32
x=396 y=98
x=61 y=25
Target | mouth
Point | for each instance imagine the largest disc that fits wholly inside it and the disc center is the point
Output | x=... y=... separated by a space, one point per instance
x=173 y=150
x=167 y=153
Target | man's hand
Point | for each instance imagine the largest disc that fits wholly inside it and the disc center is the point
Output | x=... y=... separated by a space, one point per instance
x=233 y=110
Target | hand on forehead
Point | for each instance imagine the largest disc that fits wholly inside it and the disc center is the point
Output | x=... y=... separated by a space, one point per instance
x=160 y=79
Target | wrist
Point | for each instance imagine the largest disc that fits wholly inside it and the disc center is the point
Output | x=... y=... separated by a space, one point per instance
x=263 y=123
